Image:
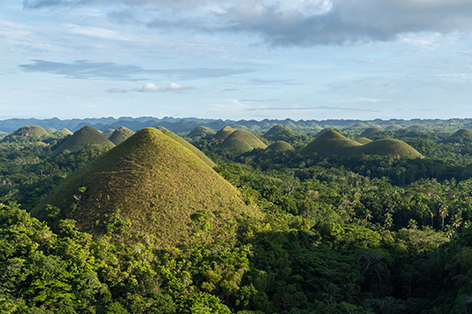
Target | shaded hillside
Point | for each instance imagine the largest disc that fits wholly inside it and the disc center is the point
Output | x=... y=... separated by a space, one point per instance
x=466 y=133
x=84 y=137
x=223 y=133
x=195 y=150
x=120 y=135
x=161 y=188
x=28 y=134
x=241 y=141
x=108 y=132
x=363 y=140
x=201 y=132
x=371 y=132
x=388 y=146
x=329 y=143
x=280 y=132
x=280 y=146
x=393 y=127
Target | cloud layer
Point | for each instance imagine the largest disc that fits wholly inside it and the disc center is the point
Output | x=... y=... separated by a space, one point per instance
x=296 y=23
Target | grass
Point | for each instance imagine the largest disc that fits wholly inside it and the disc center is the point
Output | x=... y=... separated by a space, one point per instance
x=371 y=132
x=83 y=137
x=120 y=135
x=28 y=133
x=279 y=132
x=387 y=146
x=202 y=132
x=223 y=133
x=329 y=143
x=280 y=146
x=158 y=185
x=463 y=133
x=363 y=140
x=241 y=141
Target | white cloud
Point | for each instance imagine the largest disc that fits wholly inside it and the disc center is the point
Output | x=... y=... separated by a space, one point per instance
x=150 y=87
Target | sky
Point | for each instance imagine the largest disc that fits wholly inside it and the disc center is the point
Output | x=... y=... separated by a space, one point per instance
x=237 y=59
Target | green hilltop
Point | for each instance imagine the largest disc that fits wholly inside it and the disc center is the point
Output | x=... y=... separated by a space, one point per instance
x=393 y=127
x=108 y=132
x=32 y=133
x=363 y=140
x=155 y=186
x=120 y=135
x=280 y=132
x=371 y=132
x=195 y=150
x=84 y=137
x=241 y=141
x=329 y=143
x=202 y=132
x=223 y=133
x=463 y=133
x=388 y=146
x=280 y=146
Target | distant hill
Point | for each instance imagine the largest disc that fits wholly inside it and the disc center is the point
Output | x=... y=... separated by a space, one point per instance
x=241 y=141
x=360 y=125
x=280 y=146
x=201 y=132
x=329 y=143
x=108 y=132
x=120 y=135
x=280 y=132
x=393 y=127
x=387 y=146
x=371 y=132
x=83 y=137
x=32 y=133
x=195 y=150
x=463 y=133
x=165 y=194
x=63 y=133
x=223 y=133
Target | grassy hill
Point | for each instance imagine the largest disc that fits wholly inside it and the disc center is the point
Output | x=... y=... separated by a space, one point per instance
x=280 y=146
x=84 y=137
x=32 y=133
x=280 y=132
x=387 y=146
x=463 y=133
x=201 y=132
x=120 y=135
x=108 y=132
x=195 y=150
x=167 y=194
x=363 y=140
x=393 y=127
x=329 y=143
x=223 y=133
x=241 y=141
x=371 y=132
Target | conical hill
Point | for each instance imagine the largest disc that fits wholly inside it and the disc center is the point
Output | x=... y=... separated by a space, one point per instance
x=84 y=137
x=120 y=135
x=371 y=132
x=241 y=141
x=388 y=146
x=280 y=132
x=30 y=133
x=202 y=132
x=363 y=140
x=329 y=143
x=154 y=184
x=463 y=133
x=223 y=133
x=280 y=146
x=195 y=150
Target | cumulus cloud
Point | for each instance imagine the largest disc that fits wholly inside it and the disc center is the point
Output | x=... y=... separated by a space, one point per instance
x=150 y=87
x=295 y=23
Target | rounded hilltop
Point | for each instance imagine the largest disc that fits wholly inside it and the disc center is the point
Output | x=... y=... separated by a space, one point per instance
x=32 y=133
x=157 y=185
x=86 y=136
x=279 y=132
x=329 y=143
x=241 y=141
x=120 y=135
x=280 y=146
x=201 y=132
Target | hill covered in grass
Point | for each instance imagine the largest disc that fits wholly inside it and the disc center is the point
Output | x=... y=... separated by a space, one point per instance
x=84 y=137
x=371 y=132
x=363 y=140
x=120 y=135
x=329 y=143
x=195 y=150
x=280 y=132
x=280 y=146
x=388 y=146
x=241 y=141
x=223 y=133
x=27 y=134
x=149 y=185
x=466 y=133
x=201 y=132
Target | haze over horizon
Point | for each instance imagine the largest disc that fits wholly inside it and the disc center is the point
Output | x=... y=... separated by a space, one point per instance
x=303 y=59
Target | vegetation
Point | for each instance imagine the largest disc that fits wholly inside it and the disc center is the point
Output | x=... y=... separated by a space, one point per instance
x=148 y=227
x=120 y=135
x=241 y=141
x=86 y=136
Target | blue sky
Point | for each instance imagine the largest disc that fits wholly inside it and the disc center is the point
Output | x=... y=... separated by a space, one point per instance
x=299 y=59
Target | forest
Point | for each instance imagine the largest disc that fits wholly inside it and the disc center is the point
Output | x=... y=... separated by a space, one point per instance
x=331 y=228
